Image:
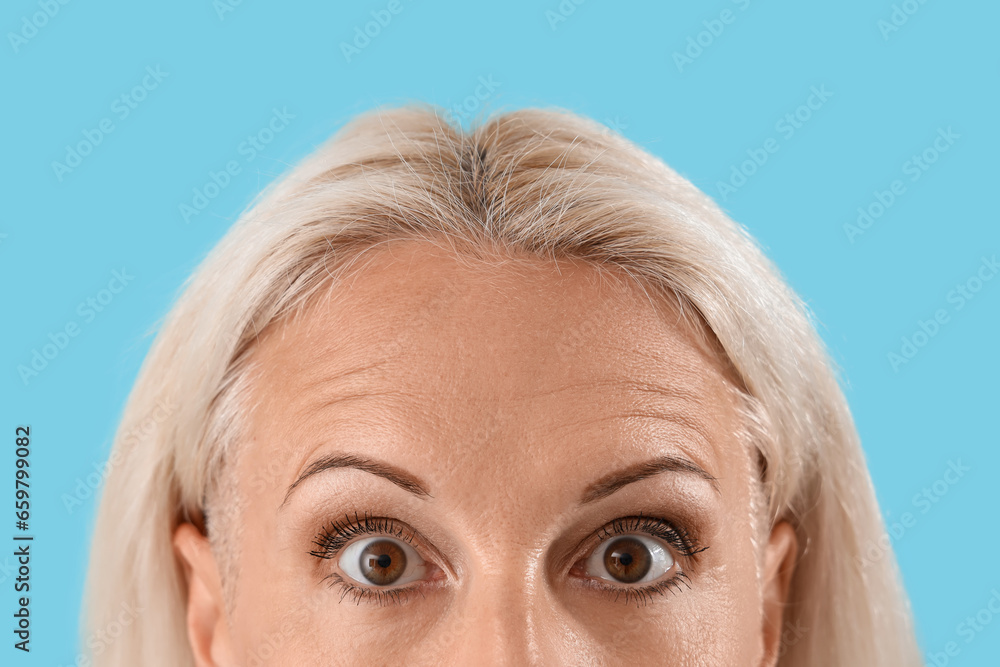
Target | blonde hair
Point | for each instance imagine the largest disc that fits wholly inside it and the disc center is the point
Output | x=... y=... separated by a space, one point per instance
x=551 y=184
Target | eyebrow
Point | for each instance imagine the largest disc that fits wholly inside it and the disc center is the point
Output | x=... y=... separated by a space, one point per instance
x=615 y=481
x=602 y=488
x=398 y=477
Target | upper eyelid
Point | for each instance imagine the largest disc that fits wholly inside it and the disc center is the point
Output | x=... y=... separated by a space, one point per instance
x=586 y=546
x=417 y=541
x=674 y=527
x=334 y=531
x=692 y=546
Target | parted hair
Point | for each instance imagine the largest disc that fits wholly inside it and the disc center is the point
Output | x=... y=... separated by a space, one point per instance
x=543 y=182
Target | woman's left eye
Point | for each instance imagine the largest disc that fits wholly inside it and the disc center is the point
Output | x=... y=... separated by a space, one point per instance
x=629 y=559
x=381 y=561
x=377 y=557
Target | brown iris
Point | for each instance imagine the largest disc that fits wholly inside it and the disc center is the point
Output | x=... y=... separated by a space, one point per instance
x=627 y=559
x=383 y=562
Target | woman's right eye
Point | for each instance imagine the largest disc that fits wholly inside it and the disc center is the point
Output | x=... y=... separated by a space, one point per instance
x=381 y=561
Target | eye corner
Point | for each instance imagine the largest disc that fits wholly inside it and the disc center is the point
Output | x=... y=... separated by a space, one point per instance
x=670 y=553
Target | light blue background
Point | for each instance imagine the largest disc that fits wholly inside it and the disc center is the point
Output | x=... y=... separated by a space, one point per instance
x=612 y=61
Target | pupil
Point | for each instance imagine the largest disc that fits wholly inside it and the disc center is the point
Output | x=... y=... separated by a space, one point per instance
x=627 y=560
x=383 y=562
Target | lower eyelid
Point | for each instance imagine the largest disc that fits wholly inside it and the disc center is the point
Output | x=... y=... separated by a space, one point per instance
x=374 y=595
x=675 y=579
x=380 y=595
x=642 y=595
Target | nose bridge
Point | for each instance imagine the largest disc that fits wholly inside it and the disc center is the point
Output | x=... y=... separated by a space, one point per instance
x=497 y=617
x=506 y=613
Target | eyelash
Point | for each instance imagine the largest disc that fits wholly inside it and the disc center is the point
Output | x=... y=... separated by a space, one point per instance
x=682 y=543
x=335 y=536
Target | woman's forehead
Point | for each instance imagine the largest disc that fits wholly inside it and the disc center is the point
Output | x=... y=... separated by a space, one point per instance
x=439 y=306
x=422 y=354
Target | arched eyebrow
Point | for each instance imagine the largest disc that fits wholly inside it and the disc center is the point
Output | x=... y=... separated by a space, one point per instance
x=602 y=488
x=398 y=477
x=615 y=481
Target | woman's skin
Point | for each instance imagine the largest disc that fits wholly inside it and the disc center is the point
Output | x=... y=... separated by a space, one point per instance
x=502 y=415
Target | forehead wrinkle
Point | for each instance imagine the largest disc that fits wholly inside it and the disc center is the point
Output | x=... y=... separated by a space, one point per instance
x=322 y=380
x=639 y=387
x=695 y=410
x=326 y=401
x=704 y=443
x=670 y=417
x=683 y=402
